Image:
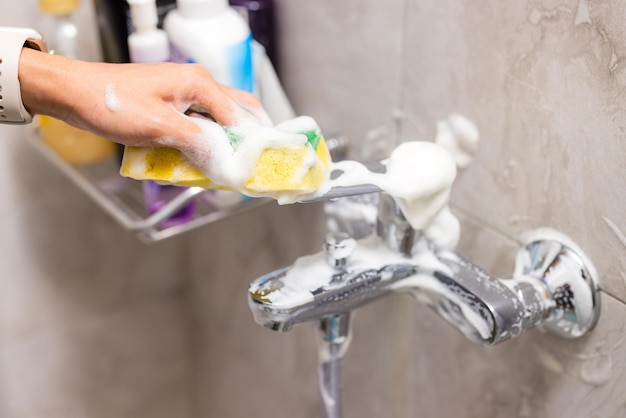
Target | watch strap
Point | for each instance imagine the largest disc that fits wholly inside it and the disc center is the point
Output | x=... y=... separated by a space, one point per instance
x=12 y=41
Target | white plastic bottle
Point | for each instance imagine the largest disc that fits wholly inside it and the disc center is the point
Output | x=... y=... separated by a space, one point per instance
x=147 y=43
x=211 y=33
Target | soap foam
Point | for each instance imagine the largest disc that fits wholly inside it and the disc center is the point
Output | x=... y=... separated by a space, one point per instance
x=231 y=166
x=459 y=136
x=110 y=99
x=419 y=176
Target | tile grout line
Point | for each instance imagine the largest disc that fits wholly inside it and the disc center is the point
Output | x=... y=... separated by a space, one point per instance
x=483 y=224
x=470 y=217
x=612 y=296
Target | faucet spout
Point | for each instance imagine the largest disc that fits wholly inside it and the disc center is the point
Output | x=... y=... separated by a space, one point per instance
x=357 y=288
x=553 y=284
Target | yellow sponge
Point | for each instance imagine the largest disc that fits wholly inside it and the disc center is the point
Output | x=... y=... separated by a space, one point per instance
x=164 y=165
x=282 y=168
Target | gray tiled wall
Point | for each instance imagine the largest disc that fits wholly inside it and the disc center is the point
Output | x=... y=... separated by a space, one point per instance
x=543 y=80
x=94 y=324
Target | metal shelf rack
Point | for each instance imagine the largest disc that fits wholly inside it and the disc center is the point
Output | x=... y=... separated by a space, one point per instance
x=123 y=198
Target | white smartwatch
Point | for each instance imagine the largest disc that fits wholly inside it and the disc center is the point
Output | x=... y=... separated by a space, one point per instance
x=12 y=40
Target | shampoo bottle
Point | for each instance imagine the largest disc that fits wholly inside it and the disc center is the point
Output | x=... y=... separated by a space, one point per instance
x=148 y=43
x=211 y=33
x=115 y=24
x=260 y=16
x=74 y=145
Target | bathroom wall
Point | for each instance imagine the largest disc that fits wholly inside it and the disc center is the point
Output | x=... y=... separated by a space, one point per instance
x=543 y=80
x=91 y=320
x=94 y=324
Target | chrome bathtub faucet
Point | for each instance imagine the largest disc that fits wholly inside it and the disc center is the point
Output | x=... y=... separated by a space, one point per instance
x=553 y=285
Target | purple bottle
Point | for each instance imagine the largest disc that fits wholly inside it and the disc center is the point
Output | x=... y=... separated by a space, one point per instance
x=158 y=195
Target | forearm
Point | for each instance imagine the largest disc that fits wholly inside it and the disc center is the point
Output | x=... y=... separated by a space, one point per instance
x=133 y=104
x=46 y=83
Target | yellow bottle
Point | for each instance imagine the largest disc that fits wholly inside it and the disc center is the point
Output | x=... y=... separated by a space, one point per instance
x=59 y=7
x=74 y=145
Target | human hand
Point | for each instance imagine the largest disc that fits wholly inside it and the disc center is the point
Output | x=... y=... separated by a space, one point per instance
x=133 y=104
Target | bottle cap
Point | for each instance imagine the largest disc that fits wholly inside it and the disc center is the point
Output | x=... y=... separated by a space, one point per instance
x=201 y=8
x=143 y=13
x=58 y=7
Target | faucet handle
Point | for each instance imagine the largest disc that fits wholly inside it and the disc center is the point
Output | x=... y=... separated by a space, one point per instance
x=338 y=246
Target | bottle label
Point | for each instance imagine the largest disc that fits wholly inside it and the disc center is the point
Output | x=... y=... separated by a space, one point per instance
x=231 y=66
x=240 y=65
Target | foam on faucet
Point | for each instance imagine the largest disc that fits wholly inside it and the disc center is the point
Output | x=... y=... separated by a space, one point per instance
x=459 y=136
x=419 y=176
x=312 y=272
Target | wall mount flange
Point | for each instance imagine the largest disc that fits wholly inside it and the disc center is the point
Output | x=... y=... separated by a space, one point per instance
x=568 y=278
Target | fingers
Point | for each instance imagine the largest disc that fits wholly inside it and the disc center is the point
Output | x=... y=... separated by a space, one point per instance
x=195 y=90
x=226 y=105
x=249 y=103
x=243 y=98
x=154 y=99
